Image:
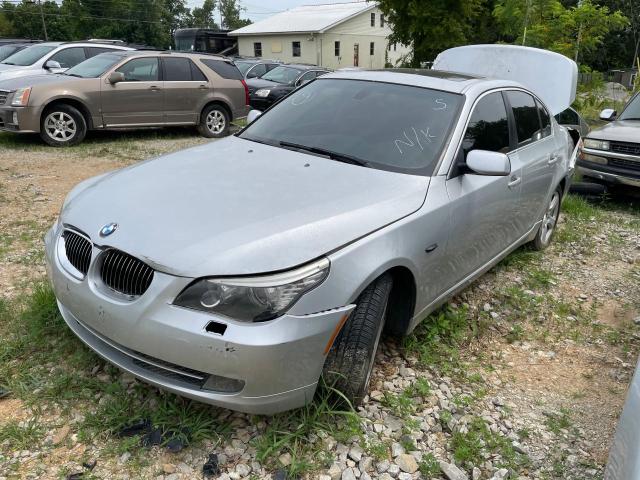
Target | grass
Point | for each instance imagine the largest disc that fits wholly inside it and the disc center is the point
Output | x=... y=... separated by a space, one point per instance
x=22 y=435
x=429 y=467
x=559 y=422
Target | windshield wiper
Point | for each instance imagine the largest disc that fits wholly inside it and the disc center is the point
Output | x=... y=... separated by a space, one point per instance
x=73 y=75
x=340 y=157
x=630 y=118
x=7 y=63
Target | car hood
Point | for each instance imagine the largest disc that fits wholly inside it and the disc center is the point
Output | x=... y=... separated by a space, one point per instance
x=4 y=67
x=620 y=131
x=21 y=72
x=31 y=80
x=236 y=207
x=256 y=83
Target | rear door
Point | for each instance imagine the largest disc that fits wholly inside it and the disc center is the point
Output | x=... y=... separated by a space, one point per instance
x=482 y=207
x=138 y=101
x=538 y=154
x=184 y=87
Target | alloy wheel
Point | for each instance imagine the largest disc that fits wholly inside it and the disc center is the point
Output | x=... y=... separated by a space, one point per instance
x=60 y=126
x=550 y=218
x=216 y=122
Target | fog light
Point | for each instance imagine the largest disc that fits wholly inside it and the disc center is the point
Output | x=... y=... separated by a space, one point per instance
x=15 y=118
x=220 y=384
x=594 y=159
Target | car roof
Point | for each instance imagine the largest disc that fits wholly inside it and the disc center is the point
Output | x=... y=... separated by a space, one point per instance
x=436 y=79
x=302 y=67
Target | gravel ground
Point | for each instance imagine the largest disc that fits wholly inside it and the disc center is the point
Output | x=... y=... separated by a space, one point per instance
x=528 y=385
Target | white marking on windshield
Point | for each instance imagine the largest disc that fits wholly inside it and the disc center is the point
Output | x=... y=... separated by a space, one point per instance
x=410 y=143
x=439 y=101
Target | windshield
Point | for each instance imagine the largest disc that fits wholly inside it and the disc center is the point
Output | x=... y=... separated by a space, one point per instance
x=632 y=111
x=285 y=75
x=95 y=66
x=7 y=50
x=185 y=41
x=28 y=56
x=391 y=127
x=243 y=66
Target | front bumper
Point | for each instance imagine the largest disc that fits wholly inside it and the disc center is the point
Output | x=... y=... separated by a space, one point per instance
x=621 y=169
x=27 y=120
x=278 y=363
x=261 y=103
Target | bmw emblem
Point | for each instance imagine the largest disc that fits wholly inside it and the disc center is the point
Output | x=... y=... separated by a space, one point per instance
x=108 y=229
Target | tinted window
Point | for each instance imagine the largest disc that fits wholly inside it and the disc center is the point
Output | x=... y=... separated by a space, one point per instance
x=28 y=56
x=177 y=69
x=93 y=51
x=632 y=110
x=257 y=71
x=69 y=57
x=343 y=116
x=95 y=66
x=545 y=120
x=488 y=127
x=568 y=117
x=222 y=68
x=196 y=73
x=306 y=78
x=526 y=116
x=140 y=70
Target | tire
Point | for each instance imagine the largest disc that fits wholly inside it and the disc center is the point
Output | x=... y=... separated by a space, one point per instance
x=214 y=122
x=350 y=361
x=62 y=126
x=549 y=222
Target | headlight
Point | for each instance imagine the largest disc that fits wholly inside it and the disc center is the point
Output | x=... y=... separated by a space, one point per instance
x=253 y=299
x=21 y=97
x=596 y=144
x=263 y=92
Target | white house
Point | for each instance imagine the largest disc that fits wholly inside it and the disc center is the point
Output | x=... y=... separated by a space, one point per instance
x=333 y=35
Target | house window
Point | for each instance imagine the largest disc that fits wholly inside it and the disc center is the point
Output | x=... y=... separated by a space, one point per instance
x=257 y=49
x=372 y=47
x=381 y=20
x=336 y=47
x=296 y=48
x=373 y=19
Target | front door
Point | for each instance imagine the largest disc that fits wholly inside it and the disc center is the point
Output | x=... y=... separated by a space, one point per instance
x=537 y=153
x=356 y=54
x=185 y=87
x=482 y=222
x=138 y=100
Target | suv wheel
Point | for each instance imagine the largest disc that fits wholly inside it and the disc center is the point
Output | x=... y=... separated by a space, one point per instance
x=549 y=222
x=350 y=361
x=214 y=122
x=63 y=126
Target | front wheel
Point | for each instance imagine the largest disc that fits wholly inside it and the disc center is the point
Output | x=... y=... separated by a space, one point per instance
x=350 y=361
x=549 y=222
x=214 y=122
x=63 y=126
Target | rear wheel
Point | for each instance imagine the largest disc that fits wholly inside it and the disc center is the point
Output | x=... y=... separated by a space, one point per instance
x=350 y=361
x=62 y=126
x=214 y=122
x=549 y=222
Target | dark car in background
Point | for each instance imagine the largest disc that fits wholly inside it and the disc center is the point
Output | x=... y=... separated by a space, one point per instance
x=255 y=67
x=279 y=82
x=611 y=154
x=126 y=89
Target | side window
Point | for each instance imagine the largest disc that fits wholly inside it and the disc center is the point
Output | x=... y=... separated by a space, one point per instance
x=93 y=51
x=177 y=69
x=568 y=117
x=140 y=70
x=306 y=78
x=545 y=120
x=525 y=113
x=488 y=127
x=196 y=73
x=271 y=66
x=225 y=69
x=257 y=71
x=69 y=57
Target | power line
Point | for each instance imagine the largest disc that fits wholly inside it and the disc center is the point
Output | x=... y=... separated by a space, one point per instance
x=84 y=16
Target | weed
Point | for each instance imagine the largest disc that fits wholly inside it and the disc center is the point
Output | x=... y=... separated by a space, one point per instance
x=400 y=404
x=378 y=449
x=557 y=422
x=21 y=435
x=429 y=466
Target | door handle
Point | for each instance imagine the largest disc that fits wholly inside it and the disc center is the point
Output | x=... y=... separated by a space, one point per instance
x=203 y=87
x=155 y=88
x=553 y=159
x=515 y=181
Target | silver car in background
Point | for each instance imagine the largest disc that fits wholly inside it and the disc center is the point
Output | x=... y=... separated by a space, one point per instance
x=237 y=272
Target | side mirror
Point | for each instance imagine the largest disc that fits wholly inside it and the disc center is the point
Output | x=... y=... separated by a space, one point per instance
x=116 y=77
x=484 y=162
x=52 y=65
x=253 y=114
x=608 y=114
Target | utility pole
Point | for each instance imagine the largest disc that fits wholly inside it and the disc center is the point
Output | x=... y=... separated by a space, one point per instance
x=44 y=24
x=526 y=22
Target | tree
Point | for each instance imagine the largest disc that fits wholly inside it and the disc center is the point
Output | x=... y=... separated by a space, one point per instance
x=431 y=26
x=575 y=31
x=230 y=13
x=202 y=17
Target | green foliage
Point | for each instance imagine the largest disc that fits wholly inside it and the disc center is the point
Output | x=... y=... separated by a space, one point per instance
x=230 y=12
x=429 y=467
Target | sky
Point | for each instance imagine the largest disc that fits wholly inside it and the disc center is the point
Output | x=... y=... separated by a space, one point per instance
x=259 y=9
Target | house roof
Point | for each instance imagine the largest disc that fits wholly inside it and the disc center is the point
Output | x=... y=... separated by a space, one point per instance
x=306 y=18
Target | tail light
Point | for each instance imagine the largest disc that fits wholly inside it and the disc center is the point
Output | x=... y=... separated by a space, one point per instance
x=246 y=93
